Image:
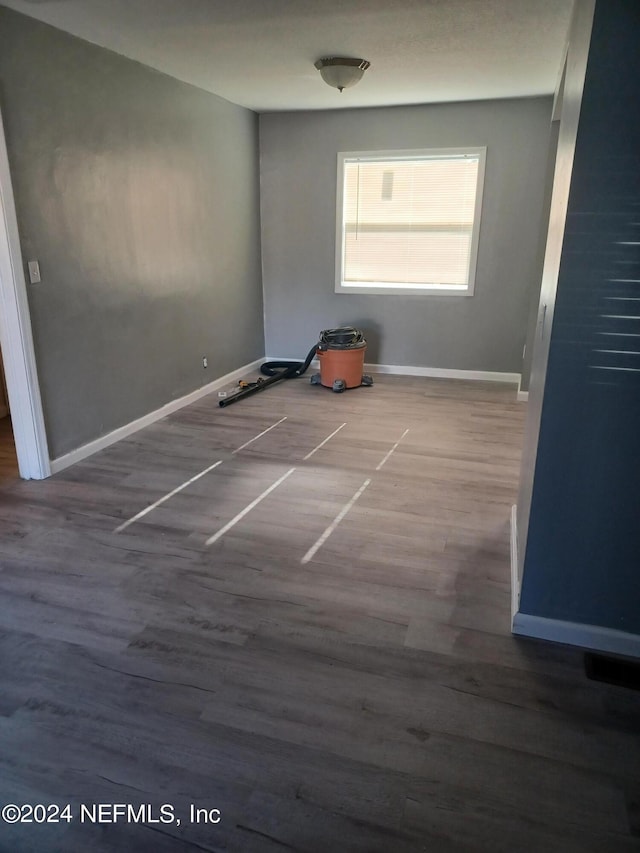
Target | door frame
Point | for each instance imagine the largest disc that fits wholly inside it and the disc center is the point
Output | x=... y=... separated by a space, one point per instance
x=16 y=338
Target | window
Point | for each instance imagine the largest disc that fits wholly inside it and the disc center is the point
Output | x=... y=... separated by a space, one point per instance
x=408 y=221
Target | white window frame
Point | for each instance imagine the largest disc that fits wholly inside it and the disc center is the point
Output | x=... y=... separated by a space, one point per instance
x=433 y=288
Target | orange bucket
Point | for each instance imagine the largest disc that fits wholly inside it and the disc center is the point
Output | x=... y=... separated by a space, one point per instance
x=346 y=363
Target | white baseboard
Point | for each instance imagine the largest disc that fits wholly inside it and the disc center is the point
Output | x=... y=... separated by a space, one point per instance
x=433 y=372
x=515 y=580
x=444 y=373
x=92 y=447
x=592 y=637
x=521 y=396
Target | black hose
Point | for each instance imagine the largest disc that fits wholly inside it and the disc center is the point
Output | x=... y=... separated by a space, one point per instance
x=253 y=389
x=275 y=370
x=344 y=338
x=291 y=369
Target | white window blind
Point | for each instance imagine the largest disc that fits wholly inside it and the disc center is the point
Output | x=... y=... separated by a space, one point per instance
x=409 y=222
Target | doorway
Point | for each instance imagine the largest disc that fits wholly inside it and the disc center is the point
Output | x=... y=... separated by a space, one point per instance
x=16 y=342
x=8 y=458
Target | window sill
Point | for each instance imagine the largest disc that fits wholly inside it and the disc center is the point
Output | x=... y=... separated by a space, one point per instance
x=403 y=290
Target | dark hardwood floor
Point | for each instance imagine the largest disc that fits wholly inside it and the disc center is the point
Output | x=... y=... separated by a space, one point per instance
x=8 y=460
x=334 y=672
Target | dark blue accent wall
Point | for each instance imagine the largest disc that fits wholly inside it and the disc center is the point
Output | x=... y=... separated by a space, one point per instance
x=582 y=562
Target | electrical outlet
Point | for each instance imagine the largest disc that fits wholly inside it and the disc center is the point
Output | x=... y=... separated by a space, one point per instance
x=34 y=272
x=205 y=362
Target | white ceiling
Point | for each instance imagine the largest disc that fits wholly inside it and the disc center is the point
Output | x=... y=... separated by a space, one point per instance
x=260 y=53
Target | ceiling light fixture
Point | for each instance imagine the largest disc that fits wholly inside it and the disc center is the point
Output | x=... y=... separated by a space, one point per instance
x=341 y=72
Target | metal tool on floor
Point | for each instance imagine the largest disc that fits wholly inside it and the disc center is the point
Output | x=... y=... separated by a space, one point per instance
x=341 y=356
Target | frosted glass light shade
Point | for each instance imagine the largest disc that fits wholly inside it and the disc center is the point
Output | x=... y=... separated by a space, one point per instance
x=341 y=72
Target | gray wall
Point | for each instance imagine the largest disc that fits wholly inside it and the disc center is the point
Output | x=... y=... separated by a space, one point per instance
x=139 y=195
x=298 y=201
x=583 y=546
